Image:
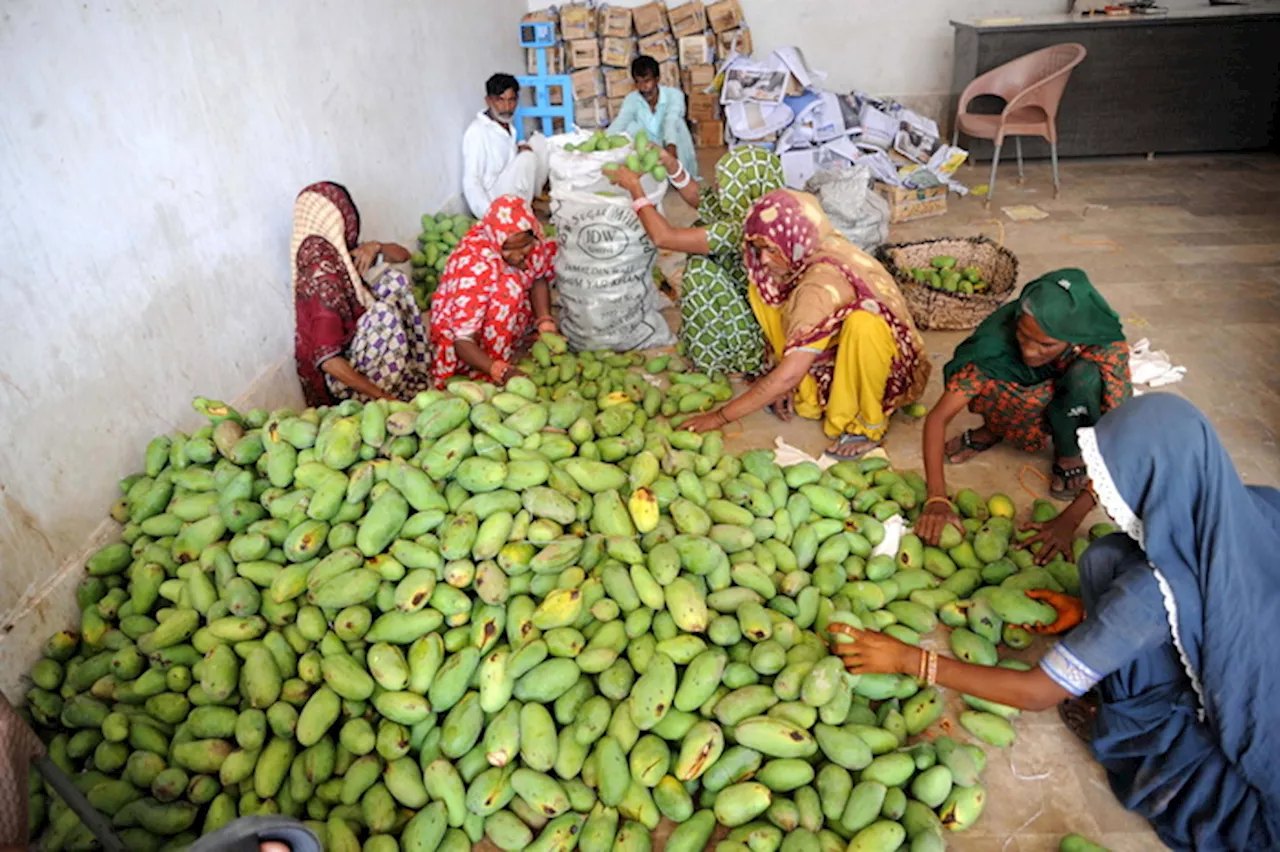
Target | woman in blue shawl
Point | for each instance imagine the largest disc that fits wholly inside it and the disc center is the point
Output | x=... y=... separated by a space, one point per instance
x=1178 y=640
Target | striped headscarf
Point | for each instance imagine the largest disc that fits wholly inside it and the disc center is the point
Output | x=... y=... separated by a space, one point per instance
x=325 y=210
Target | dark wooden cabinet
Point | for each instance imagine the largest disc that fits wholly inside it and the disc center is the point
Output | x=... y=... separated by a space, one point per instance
x=1194 y=81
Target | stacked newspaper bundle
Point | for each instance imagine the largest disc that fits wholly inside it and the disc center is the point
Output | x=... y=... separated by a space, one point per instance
x=779 y=103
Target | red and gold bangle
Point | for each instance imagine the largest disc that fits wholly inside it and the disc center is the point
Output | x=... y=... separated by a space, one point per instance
x=932 y=500
x=497 y=369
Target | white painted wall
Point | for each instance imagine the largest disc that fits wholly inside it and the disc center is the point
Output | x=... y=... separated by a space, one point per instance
x=902 y=48
x=150 y=151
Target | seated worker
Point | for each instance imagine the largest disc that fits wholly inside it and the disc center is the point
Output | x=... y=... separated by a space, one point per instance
x=1037 y=369
x=495 y=286
x=842 y=341
x=493 y=163
x=717 y=327
x=1170 y=675
x=659 y=111
x=351 y=341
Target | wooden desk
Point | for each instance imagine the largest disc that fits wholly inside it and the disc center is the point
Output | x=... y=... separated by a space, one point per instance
x=1194 y=80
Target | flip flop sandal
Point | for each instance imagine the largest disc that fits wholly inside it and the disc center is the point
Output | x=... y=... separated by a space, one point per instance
x=1067 y=474
x=968 y=442
x=1078 y=715
x=244 y=835
x=848 y=440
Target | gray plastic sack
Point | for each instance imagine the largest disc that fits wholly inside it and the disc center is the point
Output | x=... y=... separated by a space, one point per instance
x=857 y=212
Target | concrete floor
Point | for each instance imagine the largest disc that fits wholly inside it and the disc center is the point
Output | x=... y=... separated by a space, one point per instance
x=1187 y=250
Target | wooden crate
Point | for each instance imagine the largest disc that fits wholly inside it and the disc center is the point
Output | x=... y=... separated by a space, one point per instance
x=584 y=53
x=908 y=205
x=725 y=15
x=649 y=18
x=617 y=52
x=614 y=22
x=688 y=19
x=577 y=21
x=702 y=107
x=708 y=134
x=661 y=46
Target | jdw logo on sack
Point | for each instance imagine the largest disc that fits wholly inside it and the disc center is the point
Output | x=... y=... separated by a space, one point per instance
x=602 y=240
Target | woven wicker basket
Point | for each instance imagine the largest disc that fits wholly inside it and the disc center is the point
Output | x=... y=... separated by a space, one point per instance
x=937 y=309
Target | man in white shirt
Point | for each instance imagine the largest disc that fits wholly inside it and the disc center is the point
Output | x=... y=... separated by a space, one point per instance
x=493 y=164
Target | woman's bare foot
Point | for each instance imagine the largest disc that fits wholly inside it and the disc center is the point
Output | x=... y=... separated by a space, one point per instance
x=968 y=444
x=1070 y=477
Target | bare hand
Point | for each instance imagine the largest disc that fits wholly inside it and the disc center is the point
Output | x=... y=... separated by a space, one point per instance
x=364 y=255
x=547 y=325
x=704 y=422
x=784 y=407
x=667 y=157
x=1070 y=611
x=626 y=179
x=935 y=518
x=510 y=373
x=1054 y=537
x=873 y=653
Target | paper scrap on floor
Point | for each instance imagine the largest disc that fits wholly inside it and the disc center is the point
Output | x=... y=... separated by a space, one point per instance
x=1152 y=368
x=785 y=454
x=1025 y=213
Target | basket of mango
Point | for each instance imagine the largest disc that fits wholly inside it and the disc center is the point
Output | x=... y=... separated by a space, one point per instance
x=942 y=274
x=952 y=283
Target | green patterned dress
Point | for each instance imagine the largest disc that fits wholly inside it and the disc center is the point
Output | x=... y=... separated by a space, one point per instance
x=717 y=326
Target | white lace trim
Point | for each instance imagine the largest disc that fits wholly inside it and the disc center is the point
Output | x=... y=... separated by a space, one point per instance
x=1105 y=489
x=1171 y=611
x=1068 y=671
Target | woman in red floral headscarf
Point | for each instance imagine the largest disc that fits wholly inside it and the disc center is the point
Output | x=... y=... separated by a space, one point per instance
x=351 y=341
x=495 y=284
x=841 y=338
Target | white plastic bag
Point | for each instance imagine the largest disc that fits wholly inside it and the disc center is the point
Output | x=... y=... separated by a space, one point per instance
x=576 y=170
x=855 y=211
x=604 y=265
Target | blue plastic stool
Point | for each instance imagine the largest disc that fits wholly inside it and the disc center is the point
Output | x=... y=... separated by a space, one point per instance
x=539 y=37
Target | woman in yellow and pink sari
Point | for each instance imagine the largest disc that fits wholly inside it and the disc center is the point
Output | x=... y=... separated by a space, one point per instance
x=842 y=342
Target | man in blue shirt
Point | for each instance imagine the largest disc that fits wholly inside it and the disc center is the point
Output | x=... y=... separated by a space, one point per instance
x=659 y=111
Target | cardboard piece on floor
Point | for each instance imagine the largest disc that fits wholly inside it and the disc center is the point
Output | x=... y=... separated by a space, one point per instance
x=1025 y=213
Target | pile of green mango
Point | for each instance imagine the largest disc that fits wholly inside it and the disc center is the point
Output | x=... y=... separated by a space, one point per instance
x=538 y=614
x=440 y=233
x=599 y=141
x=941 y=274
x=643 y=160
x=610 y=378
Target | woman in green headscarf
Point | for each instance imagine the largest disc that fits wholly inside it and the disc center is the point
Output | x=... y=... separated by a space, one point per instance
x=717 y=326
x=1036 y=370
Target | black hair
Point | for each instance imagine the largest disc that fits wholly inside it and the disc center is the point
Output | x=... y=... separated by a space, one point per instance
x=644 y=66
x=500 y=84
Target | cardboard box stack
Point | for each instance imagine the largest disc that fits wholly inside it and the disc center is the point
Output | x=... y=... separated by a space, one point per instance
x=686 y=38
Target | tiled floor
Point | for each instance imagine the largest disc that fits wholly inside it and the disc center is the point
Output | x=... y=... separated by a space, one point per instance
x=1187 y=250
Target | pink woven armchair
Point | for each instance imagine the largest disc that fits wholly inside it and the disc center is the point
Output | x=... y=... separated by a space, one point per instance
x=1032 y=88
